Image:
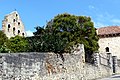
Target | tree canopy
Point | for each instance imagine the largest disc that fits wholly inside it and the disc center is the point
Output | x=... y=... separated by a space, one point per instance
x=17 y=44
x=3 y=40
x=66 y=30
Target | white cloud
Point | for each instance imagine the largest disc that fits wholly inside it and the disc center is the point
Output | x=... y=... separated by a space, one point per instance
x=117 y=21
x=29 y=33
x=91 y=7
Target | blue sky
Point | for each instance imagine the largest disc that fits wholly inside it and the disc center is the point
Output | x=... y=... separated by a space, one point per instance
x=38 y=12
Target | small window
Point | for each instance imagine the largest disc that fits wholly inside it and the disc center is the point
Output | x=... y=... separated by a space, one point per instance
x=18 y=31
x=14 y=30
x=13 y=20
x=107 y=49
x=16 y=15
x=18 y=23
x=8 y=27
x=23 y=34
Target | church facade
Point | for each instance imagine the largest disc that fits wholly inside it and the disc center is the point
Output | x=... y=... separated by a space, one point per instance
x=12 y=25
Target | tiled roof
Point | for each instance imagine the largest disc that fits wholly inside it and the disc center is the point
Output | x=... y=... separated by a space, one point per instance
x=109 y=30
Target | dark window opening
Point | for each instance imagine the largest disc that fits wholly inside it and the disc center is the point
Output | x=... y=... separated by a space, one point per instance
x=23 y=34
x=8 y=27
x=18 y=31
x=14 y=30
x=13 y=20
x=18 y=23
x=16 y=15
x=107 y=49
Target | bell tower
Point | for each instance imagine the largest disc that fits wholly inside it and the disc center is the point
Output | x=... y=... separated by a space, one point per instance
x=12 y=25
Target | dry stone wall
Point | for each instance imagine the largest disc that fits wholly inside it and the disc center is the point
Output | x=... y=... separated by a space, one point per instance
x=50 y=66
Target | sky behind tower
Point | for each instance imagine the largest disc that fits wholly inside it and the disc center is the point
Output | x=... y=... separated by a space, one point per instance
x=37 y=12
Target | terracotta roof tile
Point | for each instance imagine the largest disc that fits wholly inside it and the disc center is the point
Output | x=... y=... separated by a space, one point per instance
x=109 y=30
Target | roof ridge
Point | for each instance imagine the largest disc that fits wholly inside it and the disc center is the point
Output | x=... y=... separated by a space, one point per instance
x=109 y=30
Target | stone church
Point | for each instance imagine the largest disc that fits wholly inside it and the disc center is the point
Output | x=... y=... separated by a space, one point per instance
x=109 y=40
x=12 y=25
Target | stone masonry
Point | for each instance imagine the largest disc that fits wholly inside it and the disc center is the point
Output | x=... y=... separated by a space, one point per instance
x=12 y=25
x=113 y=43
x=51 y=66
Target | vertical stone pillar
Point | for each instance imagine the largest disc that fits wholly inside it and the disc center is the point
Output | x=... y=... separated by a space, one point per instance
x=110 y=63
x=82 y=52
x=114 y=64
x=96 y=59
x=82 y=61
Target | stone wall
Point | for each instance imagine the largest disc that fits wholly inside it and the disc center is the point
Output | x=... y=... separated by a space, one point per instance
x=93 y=72
x=50 y=66
x=118 y=61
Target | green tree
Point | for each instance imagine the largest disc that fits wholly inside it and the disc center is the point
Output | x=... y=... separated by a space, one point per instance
x=75 y=30
x=36 y=41
x=43 y=40
x=3 y=40
x=65 y=31
x=39 y=31
x=17 y=44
